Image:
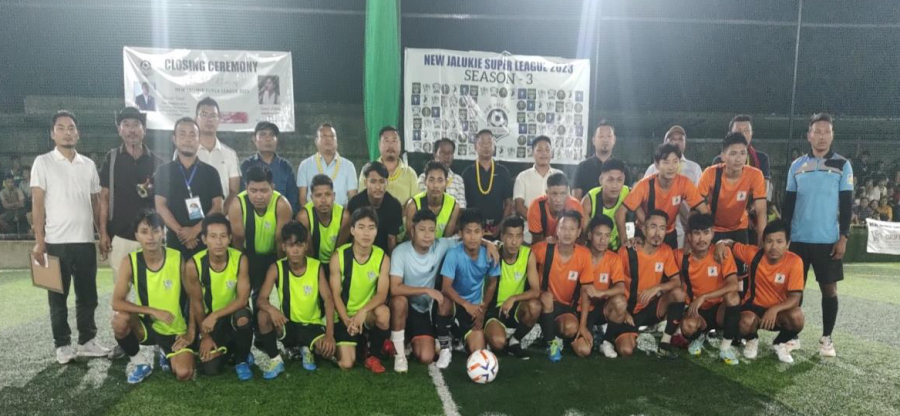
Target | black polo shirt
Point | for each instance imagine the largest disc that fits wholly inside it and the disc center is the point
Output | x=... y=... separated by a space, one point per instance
x=490 y=205
x=126 y=201
x=169 y=182
x=390 y=215
x=587 y=175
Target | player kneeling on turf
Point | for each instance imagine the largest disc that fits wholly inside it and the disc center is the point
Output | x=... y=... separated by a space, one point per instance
x=359 y=286
x=155 y=317
x=774 y=288
x=515 y=304
x=603 y=290
x=562 y=265
x=653 y=288
x=711 y=289
x=306 y=316
x=220 y=274
x=465 y=269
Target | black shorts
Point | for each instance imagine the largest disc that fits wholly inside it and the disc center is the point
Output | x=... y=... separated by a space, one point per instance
x=709 y=315
x=225 y=331
x=164 y=342
x=647 y=316
x=342 y=337
x=596 y=316
x=419 y=324
x=302 y=335
x=818 y=256
x=759 y=311
x=462 y=322
x=509 y=321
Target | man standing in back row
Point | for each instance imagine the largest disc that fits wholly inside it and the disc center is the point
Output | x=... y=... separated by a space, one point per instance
x=327 y=161
x=215 y=153
x=588 y=171
x=488 y=185
x=817 y=209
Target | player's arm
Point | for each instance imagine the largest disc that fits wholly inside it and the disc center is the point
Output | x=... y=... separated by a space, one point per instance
x=621 y=212
x=302 y=191
x=400 y=289
x=722 y=249
x=327 y=343
x=344 y=234
x=586 y=207
x=196 y=304
x=768 y=321
x=283 y=214
x=392 y=243
x=585 y=303
x=303 y=218
x=235 y=217
x=278 y=318
x=489 y=292
x=120 y=302
x=663 y=287
x=762 y=217
x=451 y=224
x=336 y=288
x=105 y=240
x=615 y=290
x=520 y=207
x=161 y=208
x=731 y=285
x=191 y=284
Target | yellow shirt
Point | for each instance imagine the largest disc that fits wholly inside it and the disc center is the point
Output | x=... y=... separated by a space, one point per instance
x=403 y=184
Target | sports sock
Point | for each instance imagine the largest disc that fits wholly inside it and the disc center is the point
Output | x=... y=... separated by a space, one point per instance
x=129 y=344
x=442 y=328
x=521 y=331
x=398 y=338
x=377 y=336
x=732 y=323
x=674 y=313
x=548 y=327
x=243 y=339
x=784 y=336
x=269 y=346
x=751 y=337
x=612 y=331
x=829 y=314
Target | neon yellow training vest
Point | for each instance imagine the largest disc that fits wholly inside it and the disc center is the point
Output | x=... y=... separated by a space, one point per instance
x=299 y=295
x=160 y=289
x=513 y=277
x=324 y=239
x=259 y=234
x=358 y=282
x=219 y=287
x=443 y=217
x=597 y=198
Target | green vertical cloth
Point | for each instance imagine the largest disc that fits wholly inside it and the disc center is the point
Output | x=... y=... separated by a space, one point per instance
x=381 y=92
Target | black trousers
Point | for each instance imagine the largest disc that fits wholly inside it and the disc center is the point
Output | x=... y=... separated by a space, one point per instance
x=78 y=265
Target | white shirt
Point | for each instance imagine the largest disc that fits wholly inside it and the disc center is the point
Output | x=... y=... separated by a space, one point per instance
x=223 y=158
x=67 y=187
x=530 y=185
x=455 y=187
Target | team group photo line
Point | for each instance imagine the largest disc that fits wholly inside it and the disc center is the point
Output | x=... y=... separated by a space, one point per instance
x=213 y=257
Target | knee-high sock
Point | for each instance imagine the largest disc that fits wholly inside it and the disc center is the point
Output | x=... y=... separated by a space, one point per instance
x=268 y=343
x=829 y=314
x=377 y=336
x=521 y=331
x=784 y=336
x=243 y=339
x=674 y=313
x=612 y=331
x=548 y=327
x=442 y=329
x=129 y=344
x=732 y=322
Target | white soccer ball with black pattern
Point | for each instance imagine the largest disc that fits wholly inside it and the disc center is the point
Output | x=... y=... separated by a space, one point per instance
x=482 y=366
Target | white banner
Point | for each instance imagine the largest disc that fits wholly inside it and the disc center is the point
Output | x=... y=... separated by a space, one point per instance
x=884 y=237
x=455 y=94
x=249 y=86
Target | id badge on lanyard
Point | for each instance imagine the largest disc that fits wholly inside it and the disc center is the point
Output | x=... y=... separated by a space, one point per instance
x=192 y=203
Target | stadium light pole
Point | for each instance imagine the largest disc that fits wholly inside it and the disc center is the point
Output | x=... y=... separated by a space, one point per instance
x=794 y=83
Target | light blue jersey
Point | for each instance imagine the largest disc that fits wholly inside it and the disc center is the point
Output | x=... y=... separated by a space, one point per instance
x=420 y=270
x=818 y=182
x=468 y=275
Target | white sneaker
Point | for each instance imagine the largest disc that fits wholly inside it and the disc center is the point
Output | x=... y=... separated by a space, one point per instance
x=781 y=350
x=93 y=350
x=608 y=350
x=826 y=347
x=751 y=349
x=116 y=353
x=793 y=345
x=400 y=363
x=444 y=359
x=65 y=354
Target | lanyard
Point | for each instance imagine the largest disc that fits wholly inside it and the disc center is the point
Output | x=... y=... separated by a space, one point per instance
x=187 y=181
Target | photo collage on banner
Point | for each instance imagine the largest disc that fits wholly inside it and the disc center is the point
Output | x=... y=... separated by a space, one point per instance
x=455 y=94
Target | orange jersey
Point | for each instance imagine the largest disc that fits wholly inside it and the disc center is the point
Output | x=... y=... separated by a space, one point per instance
x=651 y=270
x=564 y=276
x=606 y=273
x=773 y=281
x=704 y=275
x=731 y=209
x=668 y=201
x=535 y=225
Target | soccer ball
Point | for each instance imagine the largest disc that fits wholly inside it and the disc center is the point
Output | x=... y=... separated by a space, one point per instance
x=482 y=366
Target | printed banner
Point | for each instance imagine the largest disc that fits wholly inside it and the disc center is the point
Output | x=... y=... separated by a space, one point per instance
x=455 y=94
x=249 y=86
x=884 y=237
